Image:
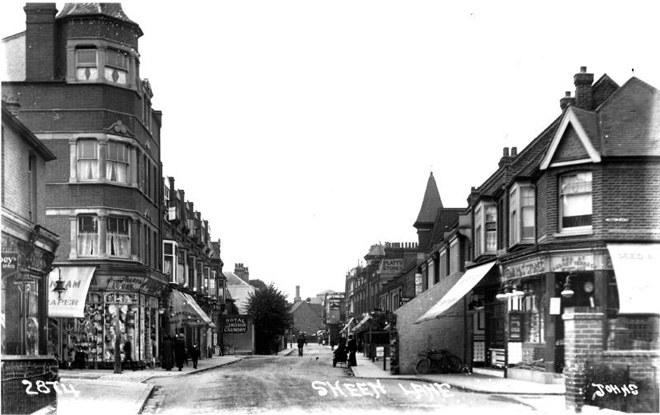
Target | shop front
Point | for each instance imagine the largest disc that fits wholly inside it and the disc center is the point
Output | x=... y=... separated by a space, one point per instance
x=536 y=290
x=97 y=310
x=188 y=318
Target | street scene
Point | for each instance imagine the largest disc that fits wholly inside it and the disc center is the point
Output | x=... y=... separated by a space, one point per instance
x=308 y=207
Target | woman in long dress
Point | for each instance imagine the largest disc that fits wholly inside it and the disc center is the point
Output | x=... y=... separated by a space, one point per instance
x=168 y=353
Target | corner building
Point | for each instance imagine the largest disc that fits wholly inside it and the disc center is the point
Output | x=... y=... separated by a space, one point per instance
x=76 y=78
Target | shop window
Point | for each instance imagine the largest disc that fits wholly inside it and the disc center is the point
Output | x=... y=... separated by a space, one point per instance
x=575 y=206
x=86 y=64
x=117 y=162
x=118 y=241
x=533 y=312
x=20 y=305
x=88 y=235
x=88 y=160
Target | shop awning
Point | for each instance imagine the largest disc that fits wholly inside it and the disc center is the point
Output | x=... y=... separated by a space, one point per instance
x=347 y=327
x=463 y=286
x=187 y=311
x=361 y=323
x=71 y=303
x=636 y=268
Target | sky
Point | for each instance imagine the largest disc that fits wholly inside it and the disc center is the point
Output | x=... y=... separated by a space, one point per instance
x=305 y=131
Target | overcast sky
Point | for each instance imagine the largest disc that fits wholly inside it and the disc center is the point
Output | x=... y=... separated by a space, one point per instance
x=305 y=131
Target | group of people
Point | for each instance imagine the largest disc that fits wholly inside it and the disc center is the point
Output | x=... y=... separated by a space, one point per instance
x=346 y=351
x=175 y=352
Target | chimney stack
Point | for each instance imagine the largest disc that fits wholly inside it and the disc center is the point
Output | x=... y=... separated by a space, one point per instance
x=583 y=91
x=566 y=101
x=514 y=151
x=40 y=41
x=297 y=298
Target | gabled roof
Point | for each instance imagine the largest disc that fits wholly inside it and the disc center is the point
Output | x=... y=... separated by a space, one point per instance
x=430 y=204
x=233 y=279
x=627 y=123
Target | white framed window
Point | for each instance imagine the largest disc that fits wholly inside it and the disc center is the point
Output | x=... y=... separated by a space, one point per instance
x=522 y=222
x=575 y=207
x=117 y=162
x=116 y=66
x=170 y=256
x=485 y=229
x=86 y=61
x=118 y=241
x=88 y=160
x=88 y=235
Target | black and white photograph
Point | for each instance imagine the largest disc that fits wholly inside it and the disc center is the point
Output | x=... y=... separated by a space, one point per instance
x=314 y=206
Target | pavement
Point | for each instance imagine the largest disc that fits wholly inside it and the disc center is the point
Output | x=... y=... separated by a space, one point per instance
x=128 y=392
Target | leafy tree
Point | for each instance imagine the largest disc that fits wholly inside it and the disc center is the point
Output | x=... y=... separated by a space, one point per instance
x=270 y=312
x=258 y=284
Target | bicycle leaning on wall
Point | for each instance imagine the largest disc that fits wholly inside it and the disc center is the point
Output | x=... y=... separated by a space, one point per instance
x=440 y=361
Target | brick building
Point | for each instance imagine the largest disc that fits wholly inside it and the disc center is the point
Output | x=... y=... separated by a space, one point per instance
x=565 y=236
x=28 y=250
x=194 y=272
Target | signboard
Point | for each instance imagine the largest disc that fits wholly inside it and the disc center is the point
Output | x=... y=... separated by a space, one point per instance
x=9 y=262
x=404 y=300
x=380 y=351
x=555 y=306
x=391 y=267
x=525 y=268
x=515 y=327
x=235 y=325
x=418 y=284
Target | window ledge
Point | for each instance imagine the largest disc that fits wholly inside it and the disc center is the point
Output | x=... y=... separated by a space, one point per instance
x=580 y=232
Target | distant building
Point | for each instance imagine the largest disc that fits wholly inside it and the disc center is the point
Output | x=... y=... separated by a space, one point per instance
x=238 y=288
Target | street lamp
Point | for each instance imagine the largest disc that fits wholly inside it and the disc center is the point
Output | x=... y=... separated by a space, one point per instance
x=59 y=284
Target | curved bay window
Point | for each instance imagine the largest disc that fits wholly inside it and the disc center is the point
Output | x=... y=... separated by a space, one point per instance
x=88 y=160
x=88 y=235
x=116 y=165
x=118 y=241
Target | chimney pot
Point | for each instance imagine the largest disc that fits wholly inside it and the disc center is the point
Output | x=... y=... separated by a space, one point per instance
x=583 y=69
x=514 y=151
x=505 y=152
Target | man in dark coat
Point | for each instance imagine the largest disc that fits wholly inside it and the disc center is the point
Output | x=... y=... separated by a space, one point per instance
x=179 y=352
x=128 y=353
x=301 y=344
x=168 y=353
x=352 y=349
x=194 y=355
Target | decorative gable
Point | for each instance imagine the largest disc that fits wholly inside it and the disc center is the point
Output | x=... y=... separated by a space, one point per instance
x=571 y=143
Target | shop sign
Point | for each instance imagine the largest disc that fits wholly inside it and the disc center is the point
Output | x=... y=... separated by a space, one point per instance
x=573 y=262
x=418 y=284
x=9 y=262
x=555 y=306
x=235 y=325
x=391 y=266
x=525 y=268
x=151 y=286
x=404 y=300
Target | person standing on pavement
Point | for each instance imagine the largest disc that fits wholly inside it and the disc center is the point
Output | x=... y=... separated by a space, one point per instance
x=352 y=349
x=179 y=352
x=301 y=344
x=194 y=355
x=168 y=353
x=128 y=353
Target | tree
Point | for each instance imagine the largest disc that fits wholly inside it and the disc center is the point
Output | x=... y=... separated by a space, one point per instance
x=270 y=311
x=258 y=284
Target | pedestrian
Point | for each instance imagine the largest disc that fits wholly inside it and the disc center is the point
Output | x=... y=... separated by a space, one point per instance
x=352 y=349
x=194 y=355
x=128 y=353
x=168 y=353
x=301 y=344
x=179 y=352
